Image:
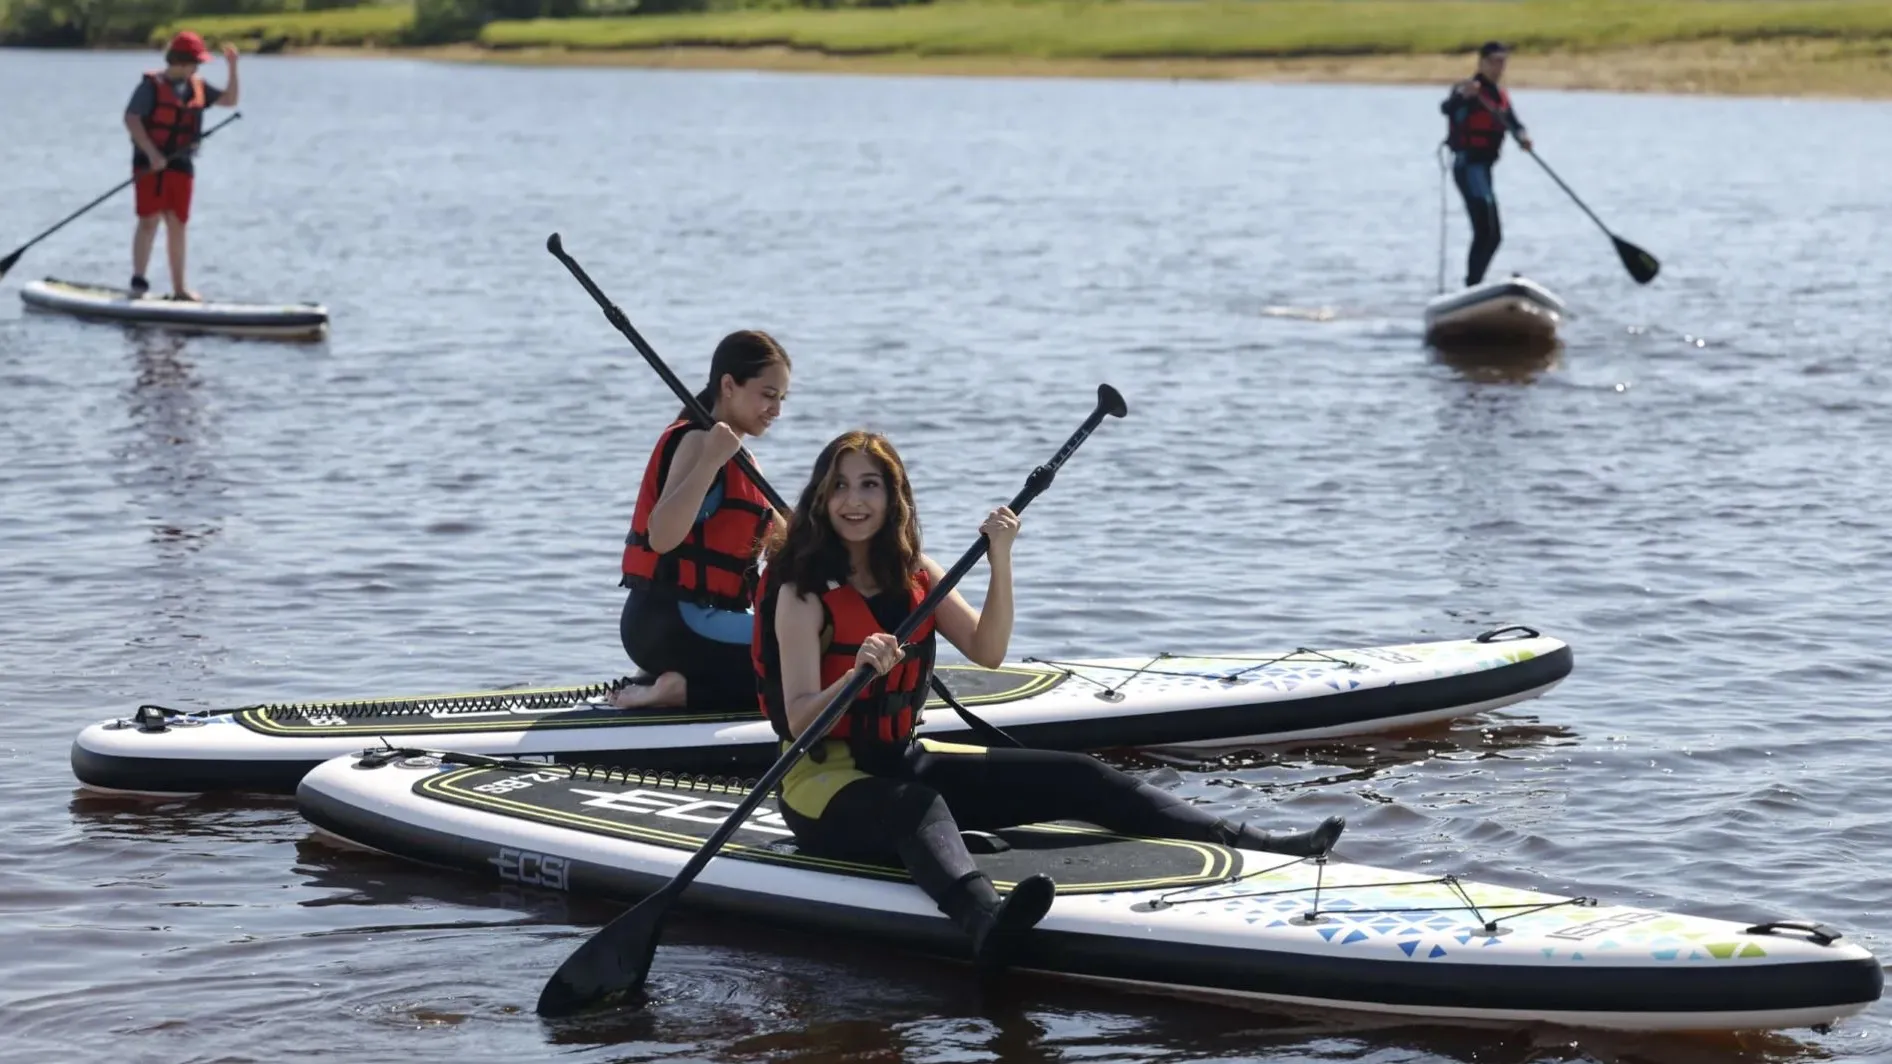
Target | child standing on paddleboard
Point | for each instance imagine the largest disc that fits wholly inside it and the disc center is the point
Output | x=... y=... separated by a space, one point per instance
x=166 y=119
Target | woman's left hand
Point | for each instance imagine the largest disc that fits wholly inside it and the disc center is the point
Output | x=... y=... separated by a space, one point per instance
x=1001 y=528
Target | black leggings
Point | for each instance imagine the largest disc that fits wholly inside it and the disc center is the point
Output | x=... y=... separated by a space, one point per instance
x=1473 y=177
x=914 y=808
x=717 y=676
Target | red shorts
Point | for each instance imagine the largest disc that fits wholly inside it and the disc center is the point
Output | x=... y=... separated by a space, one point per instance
x=165 y=190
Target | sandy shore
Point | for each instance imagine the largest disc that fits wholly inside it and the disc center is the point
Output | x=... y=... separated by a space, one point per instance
x=1801 y=67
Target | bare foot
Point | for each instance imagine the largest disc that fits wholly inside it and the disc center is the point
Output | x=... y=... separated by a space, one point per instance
x=668 y=690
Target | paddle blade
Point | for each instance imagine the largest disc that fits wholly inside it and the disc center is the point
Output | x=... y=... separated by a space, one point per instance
x=610 y=966
x=7 y=263
x=1640 y=264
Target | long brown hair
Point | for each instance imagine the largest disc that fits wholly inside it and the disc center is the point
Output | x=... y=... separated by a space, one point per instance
x=808 y=553
x=743 y=355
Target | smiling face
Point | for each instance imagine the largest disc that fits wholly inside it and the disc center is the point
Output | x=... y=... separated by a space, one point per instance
x=854 y=522
x=753 y=405
x=857 y=498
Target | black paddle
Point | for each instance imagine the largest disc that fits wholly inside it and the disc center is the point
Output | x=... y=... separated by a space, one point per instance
x=614 y=962
x=1640 y=264
x=986 y=731
x=7 y=263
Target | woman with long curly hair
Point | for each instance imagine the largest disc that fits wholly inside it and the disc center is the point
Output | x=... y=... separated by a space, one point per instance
x=842 y=575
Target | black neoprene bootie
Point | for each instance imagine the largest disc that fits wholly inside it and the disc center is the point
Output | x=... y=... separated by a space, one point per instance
x=1300 y=844
x=997 y=927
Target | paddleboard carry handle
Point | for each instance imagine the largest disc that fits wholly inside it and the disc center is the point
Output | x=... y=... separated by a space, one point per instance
x=1821 y=934
x=1492 y=636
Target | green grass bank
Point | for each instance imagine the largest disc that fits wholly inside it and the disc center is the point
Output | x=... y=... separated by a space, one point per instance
x=1825 y=47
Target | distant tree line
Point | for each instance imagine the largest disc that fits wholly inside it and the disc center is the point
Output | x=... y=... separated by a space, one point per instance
x=83 y=23
x=96 y=23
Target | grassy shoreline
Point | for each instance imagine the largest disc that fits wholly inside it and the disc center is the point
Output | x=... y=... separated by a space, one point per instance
x=1714 y=68
x=1839 y=48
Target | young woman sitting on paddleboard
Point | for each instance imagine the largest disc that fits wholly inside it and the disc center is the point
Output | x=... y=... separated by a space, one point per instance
x=690 y=558
x=842 y=575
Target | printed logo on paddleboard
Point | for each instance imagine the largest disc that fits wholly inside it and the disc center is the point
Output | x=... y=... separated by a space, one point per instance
x=663 y=804
x=1383 y=654
x=683 y=807
x=1604 y=924
x=530 y=868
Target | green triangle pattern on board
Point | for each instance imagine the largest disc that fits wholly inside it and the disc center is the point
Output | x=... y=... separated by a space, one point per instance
x=1751 y=950
x=1721 y=950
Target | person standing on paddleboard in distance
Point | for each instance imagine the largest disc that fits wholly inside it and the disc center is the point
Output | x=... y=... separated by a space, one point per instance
x=1478 y=113
x=843 y=574
x=696 y=533
x=165 y=119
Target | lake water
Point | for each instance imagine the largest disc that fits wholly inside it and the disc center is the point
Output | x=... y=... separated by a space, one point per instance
x=1692 y=491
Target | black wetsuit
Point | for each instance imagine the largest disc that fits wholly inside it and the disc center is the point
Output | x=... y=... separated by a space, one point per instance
x=1471 y=171
x=718 y=675
x=910 y=801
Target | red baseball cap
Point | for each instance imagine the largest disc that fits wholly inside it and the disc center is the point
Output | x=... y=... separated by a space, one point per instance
x=189 y=44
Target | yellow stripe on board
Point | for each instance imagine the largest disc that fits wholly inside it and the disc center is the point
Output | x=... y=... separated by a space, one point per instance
x=1217 y=863
x=262 y=718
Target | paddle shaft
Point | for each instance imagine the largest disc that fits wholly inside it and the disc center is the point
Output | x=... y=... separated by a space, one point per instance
x=1641 y=265
x=1040 y=479
x=990 y=732
x=7 y=263
x=1573 y=196
x=1511 y=123
x=623 y=324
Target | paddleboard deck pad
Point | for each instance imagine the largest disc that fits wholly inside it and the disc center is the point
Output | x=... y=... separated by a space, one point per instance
x=1518 y=309
x=1170 y=705
x=102 y=303
x=1172 y=915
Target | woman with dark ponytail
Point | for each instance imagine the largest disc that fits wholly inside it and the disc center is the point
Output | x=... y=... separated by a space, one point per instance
x=696 y=533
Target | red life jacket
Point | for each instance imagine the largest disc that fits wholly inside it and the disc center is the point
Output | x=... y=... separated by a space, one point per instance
x=888 y=709
x=174 y=122
x=1479 y=126
x=715 y=563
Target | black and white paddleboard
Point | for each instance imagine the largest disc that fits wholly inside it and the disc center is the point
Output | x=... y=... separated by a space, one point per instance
x=1175 y=916
x=282 y=321
x=1516 y=310
x=1167 y=705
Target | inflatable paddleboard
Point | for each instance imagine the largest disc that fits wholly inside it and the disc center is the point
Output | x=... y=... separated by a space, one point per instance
x=286 y=321
x=1168 y=704
x=1177 y=916
x=1518 y=310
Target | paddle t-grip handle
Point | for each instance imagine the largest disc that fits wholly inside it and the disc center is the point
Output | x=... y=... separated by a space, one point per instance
x=622 y=324
x=1109 y=404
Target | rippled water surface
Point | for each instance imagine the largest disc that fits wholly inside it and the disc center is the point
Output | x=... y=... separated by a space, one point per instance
x=1691 y=492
